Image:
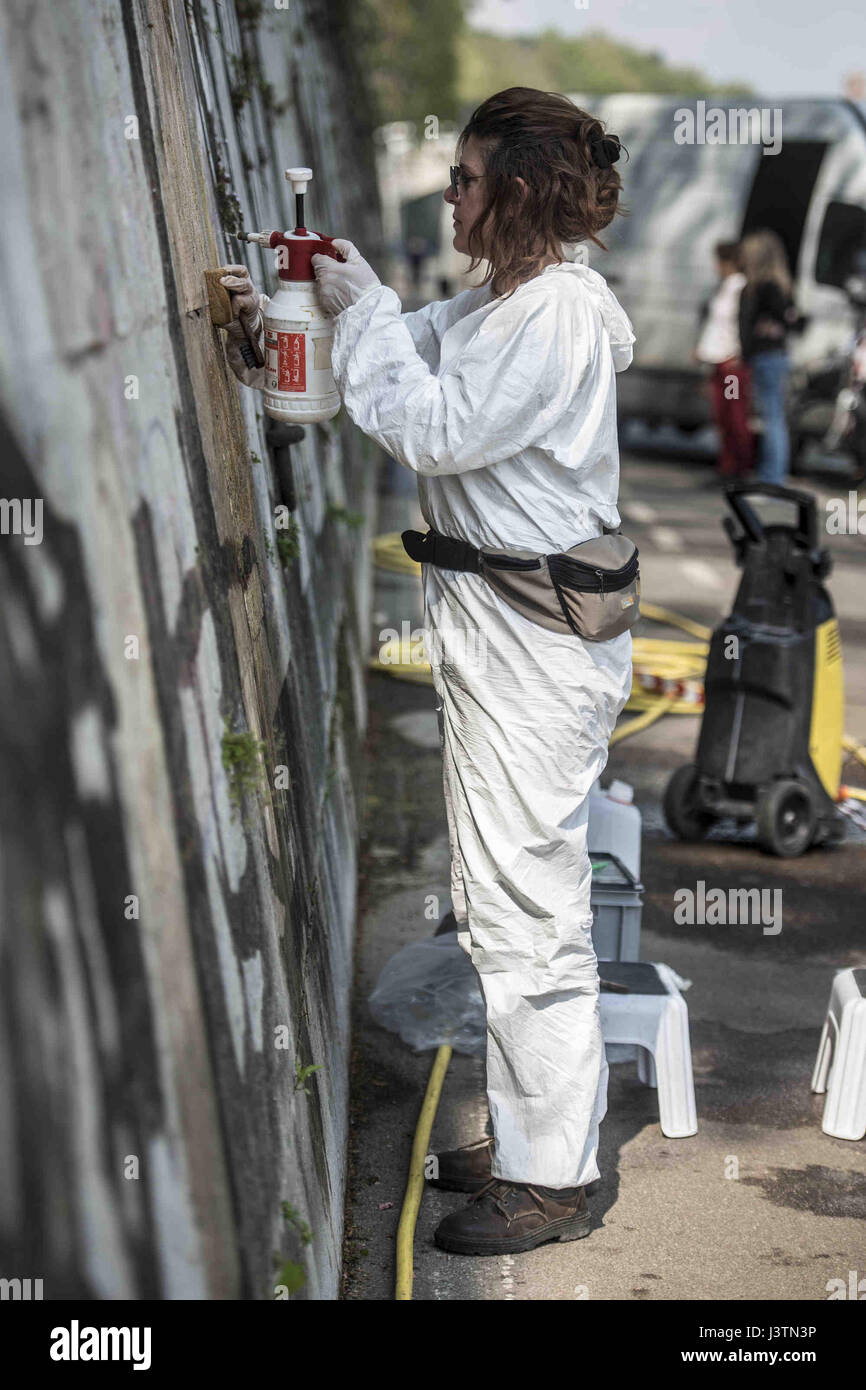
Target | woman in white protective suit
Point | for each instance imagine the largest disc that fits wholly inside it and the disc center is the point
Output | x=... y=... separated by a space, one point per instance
x=503 y=401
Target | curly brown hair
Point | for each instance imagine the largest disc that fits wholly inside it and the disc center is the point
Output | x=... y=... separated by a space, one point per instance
x=549 y=143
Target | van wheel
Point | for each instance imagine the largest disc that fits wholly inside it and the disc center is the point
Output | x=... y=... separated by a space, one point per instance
x=683 y=813
x=786 y=817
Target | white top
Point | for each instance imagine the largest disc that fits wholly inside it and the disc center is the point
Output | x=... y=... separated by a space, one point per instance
x=720 y=335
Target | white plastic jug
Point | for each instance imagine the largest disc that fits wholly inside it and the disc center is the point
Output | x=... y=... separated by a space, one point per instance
x=299 y=385
x=615 y=824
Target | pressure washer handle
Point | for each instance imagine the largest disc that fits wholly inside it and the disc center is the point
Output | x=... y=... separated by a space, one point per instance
x=736 y=493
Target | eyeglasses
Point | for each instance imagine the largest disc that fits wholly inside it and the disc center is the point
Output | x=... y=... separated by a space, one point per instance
x=460 y=179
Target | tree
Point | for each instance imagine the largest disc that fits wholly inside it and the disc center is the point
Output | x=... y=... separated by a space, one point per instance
x=412 y=57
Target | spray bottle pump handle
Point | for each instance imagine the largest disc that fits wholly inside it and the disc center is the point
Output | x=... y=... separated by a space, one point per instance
x=299 y=178
x=330 y=249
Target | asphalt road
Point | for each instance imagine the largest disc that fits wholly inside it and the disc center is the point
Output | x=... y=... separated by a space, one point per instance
x=760 y=1203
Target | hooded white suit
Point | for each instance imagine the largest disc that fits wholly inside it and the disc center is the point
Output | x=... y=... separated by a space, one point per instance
x=506 y=410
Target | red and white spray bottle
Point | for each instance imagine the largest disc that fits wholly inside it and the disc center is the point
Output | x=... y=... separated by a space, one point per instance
x=299 y=385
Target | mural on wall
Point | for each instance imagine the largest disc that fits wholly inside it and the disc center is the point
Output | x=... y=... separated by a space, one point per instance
x=181 y=662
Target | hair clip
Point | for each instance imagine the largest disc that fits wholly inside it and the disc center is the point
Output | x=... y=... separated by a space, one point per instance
x=605 y=150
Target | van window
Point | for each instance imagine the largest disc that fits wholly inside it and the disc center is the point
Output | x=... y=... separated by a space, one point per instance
x=842 y=244
x=782 y=192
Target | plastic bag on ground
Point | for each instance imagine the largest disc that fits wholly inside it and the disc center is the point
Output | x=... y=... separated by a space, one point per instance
x=428 y=993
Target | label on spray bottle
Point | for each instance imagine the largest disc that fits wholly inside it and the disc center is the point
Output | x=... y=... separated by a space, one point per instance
x=287 y=361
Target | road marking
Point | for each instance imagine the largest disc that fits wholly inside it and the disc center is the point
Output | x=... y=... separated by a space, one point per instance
x=700 y=573
x=665 y=539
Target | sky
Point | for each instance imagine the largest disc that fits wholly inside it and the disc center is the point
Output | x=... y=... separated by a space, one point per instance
x=778 y=47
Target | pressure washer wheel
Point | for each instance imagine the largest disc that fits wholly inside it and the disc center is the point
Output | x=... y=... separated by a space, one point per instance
x=683 y=812
x=786 y=817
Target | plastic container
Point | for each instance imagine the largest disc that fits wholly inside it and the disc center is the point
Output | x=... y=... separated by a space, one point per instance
x=617 y=904
x=615 y=824
x=429 y=993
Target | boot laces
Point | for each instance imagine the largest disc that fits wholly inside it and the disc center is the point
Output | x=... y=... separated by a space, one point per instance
x=499 y=1191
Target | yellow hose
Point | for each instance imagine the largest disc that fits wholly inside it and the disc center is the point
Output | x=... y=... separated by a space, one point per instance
x=388 y=554
x=415 y=1186
x=854 y=748
x=635 y=726
x=667 y=615
x=667 y=674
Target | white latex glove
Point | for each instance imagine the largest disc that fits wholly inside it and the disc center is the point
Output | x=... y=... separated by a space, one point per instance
x=246 y=308
x=341 y=283
x=244 y=296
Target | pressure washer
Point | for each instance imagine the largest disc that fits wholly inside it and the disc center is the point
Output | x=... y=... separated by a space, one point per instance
x=771 y=741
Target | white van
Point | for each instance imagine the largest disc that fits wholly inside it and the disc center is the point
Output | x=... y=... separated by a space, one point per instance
x=682 y=198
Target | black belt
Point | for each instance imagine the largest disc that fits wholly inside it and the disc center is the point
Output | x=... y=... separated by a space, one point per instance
x=443 y=551
x=448 y=553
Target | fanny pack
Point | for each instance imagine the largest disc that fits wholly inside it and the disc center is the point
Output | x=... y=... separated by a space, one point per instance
x=591 y=591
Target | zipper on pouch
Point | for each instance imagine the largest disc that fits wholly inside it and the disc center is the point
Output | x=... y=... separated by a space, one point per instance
x=589 y=579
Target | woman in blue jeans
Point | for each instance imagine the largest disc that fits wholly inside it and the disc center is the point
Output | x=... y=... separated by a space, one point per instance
x=767 y=314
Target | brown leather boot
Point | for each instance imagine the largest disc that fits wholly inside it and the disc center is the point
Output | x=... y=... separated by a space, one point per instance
x=466 y=1169
x=511 y=1216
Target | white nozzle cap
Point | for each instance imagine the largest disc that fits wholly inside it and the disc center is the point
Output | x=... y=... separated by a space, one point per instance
x=621 y=791
x=299 y=178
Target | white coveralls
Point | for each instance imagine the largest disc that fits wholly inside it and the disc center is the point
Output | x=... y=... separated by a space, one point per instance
x=506 y=411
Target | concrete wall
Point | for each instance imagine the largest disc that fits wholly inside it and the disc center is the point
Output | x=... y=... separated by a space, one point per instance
x=167 y=959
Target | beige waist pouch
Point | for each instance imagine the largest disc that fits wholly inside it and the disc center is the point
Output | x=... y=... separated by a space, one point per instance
x=591 y=591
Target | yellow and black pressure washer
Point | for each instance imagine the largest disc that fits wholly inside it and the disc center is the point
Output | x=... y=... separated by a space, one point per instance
x=770 y=746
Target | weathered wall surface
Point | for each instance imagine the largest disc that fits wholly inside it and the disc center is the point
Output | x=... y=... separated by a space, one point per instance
x=167 y=961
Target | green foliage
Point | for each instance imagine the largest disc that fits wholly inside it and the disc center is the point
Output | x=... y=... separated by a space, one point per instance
x=556 y=62
x=249 y=12
x=246 y=78
x=242 y=760
x=424 y=59
x=411 y=54
x=227 y=203
x=288 y=543
x=338 y=513
x=291 y=1276
x=296 y=1221
x=302 y=1075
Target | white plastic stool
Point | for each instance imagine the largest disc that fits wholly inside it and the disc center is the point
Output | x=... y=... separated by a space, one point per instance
x=842 y=1057
x=657 y=1022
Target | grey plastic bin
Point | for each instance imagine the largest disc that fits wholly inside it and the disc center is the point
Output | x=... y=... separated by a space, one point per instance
x=617 y=904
